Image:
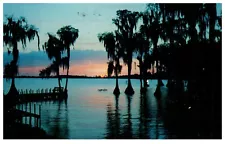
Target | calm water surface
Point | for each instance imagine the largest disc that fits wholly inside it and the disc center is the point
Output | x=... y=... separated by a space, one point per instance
x=91 y=114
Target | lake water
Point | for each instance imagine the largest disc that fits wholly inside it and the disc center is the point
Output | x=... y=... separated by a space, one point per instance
x=91 y=114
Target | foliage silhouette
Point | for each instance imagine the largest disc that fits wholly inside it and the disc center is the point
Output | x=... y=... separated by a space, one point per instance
x=16 y=30
x=126 y=23
x=113 y=49
x=54 y=48
x=68 y=35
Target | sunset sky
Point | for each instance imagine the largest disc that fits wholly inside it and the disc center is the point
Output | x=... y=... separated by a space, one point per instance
x=89 y=56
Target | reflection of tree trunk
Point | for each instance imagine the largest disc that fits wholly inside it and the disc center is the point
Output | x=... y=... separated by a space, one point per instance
x=129 y=128
x=109 y=125
x=141 y=118
x=143 y=125
x=127 y=133
x=129 y=90
x=117 y=118
x=158 y=117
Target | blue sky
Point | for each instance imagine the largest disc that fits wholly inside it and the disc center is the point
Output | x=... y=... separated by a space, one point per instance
x=51 y=17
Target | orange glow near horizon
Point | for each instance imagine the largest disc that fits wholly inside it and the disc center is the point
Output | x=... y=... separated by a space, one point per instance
x=88 y=68
x=30 y=70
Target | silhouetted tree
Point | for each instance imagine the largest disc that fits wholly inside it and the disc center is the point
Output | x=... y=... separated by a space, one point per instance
x=54 y=48
x=15 y=31
x=126 y=22
x=114 y=54
x=173 y=30
x=142 y=48
x=151 y=29
x=68 y=35
x=140 y=51
x=155 y=32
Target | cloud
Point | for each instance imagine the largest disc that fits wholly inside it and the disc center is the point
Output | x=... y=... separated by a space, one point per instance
x=39 y=58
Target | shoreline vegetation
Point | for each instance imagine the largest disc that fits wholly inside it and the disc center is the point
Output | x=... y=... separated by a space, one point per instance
x=76 y=76
x=83 y=77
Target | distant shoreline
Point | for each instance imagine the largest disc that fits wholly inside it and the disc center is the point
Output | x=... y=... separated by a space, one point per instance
x=76 y=77
x=135 y=76
x=88 y=77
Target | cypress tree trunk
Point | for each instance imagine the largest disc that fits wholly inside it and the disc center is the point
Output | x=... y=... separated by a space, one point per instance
x=116 y=90
x=68 y=54
x=59 y=79
x=13 y=93
x=129 y=90
x=67 y=78
x=157 y=91
x=169 y=81
x=141 y=72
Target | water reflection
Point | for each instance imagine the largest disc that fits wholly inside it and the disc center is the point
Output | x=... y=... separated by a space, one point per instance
x=143 y=121
x=93 y=114
x=57 y=121
x=115 y=128
x=127 y=125
x=149 y=122
x=113 y=120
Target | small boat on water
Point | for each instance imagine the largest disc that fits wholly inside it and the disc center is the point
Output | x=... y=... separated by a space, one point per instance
x=102 y=89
